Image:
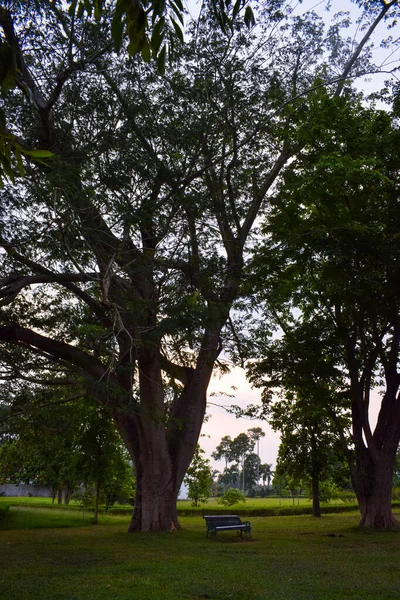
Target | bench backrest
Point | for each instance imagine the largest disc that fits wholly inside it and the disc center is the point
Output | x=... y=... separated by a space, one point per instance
x=222 y=520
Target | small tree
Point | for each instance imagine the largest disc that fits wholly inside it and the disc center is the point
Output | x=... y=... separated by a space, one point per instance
x=198 y=478
x=251 y=470
x=231 y=497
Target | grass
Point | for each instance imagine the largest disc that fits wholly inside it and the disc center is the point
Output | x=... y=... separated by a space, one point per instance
x=52 y=554
x=252 y=507
x=269 y=506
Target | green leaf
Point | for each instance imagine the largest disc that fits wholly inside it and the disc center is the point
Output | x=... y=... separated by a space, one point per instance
x=146 y=54
x=117 y=32
x=178 y=3
x=81 y=10
x=72 y=8
x=249 y=17
x=178 y=30
x=178 y=11
x=98 y=9
x=157 y=36
x=20 y=164
x=88 y=7
x=161 y=61
x=39 y=153
x=236 y=8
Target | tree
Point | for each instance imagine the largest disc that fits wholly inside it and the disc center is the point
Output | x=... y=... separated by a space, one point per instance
x=125 y=252
x=223 y=450
x=99 y=459
x=266 y=473
x=231 y=497
x=336 y=256
x=63 y=443
x=241 y=446
x=130 y=20
x=230 y=477
x=198 y=477
x=310 y=450
x=310 y=402
x=256 y=433
x=42 y=431
x=251 y=469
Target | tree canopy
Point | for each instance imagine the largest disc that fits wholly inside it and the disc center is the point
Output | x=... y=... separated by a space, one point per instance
x=332 y=254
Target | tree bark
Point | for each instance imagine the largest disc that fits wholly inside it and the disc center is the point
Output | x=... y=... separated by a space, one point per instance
x=315 y=475
x=96 y=503
x=373 y=485
x=316 y=506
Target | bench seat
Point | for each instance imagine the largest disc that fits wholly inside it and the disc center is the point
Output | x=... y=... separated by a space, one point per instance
x=215 y=523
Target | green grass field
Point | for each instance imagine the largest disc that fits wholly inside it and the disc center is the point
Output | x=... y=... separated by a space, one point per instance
x=251 y=504
x=57 y=554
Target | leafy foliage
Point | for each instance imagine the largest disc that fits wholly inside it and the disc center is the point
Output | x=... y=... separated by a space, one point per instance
x=231 y=497
x=198 y=478
x=63 y=444
x=329 y=281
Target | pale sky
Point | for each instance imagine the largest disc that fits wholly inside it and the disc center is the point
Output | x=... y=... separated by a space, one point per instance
x=222 y=423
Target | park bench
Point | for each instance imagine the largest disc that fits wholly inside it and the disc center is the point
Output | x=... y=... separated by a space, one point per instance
x=216 y=523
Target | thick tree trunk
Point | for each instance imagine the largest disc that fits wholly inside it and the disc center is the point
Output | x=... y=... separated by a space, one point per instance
x=155 y=509
x=156 y=487
x=162 y=451
x=374 y=493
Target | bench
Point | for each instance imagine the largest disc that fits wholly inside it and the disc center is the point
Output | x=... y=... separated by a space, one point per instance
x=216 y=523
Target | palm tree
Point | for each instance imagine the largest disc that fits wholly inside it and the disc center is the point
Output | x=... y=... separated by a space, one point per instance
x=266 y=473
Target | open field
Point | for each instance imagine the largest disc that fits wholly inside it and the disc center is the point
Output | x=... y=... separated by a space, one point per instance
x=56 y=554
x=251 y=504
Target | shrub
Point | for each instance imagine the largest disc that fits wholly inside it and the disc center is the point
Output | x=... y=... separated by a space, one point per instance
x=232 y=496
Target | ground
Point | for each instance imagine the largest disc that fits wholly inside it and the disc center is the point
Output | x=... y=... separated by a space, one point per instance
x=58 y=555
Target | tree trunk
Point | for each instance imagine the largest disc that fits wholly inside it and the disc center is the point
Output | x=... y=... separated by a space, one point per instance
x=315 y=475
x=373 y=485
x=59 y=495
x=316 y=506
x=156 y=495
x=162 y=453
x=157 y=484
x=96 y=503
x=67 y=493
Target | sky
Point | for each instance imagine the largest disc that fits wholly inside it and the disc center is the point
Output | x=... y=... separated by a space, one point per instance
x=220 y=422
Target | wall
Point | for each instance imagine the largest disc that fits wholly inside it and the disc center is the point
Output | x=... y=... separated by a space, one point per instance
x=24 y=489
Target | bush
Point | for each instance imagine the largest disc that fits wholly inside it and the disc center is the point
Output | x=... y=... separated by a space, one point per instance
x=396 y=493
x=347 y=497
x=232 y=496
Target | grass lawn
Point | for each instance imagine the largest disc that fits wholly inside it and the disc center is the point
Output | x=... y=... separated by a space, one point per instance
x=59 y=555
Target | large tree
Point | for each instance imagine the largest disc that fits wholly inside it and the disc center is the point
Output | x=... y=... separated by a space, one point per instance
x=331 y=281
x=123 y=254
